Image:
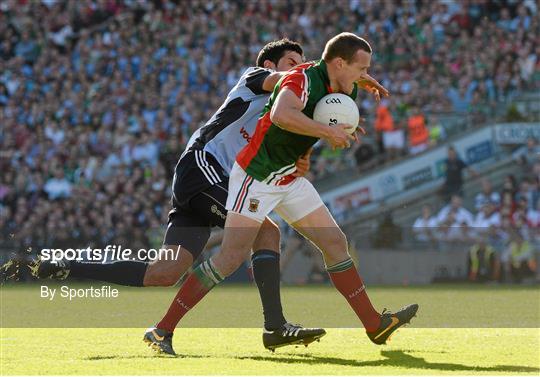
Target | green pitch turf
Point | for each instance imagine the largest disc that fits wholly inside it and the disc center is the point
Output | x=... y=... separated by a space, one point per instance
x=239 y=351
x=460 y=329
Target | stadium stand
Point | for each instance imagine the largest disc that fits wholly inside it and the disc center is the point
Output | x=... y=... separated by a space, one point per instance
x=98 y=98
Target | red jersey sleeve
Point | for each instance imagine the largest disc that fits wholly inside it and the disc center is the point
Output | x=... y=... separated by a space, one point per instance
x=297 y=81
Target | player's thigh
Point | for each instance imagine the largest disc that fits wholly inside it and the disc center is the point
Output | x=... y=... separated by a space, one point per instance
x=189 y=230
x=184 y=240
x=317 y=225
x=209 y=204
x=238 y=237
x=320 y=228
x=269 y=236
x=301 y=200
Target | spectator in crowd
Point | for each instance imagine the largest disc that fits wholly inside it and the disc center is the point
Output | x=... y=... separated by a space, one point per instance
x=487 y=195
x=394 y=142
x=528 y=154
x=533 y=215
x=383 y=123
x=58 y=186
x=453 y=184
x=510 y=186
x=519 y=218
x=461 y=98
x=417 y=131
x=483 y=264
x=437 y=133
x=425 y=226
x=388 y=234
x=520 y=258
x=526 y=193
x=486 y=218
x=390 y=135
x=508 y=206
x=455 y=221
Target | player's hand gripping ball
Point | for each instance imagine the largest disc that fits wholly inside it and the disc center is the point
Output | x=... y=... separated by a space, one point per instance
x=336 y=108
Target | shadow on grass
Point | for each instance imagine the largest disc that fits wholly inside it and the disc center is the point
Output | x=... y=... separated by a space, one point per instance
x=397 y=358
x=154 y=356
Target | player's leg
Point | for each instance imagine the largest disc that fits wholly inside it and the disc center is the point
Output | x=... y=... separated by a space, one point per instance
x=266 y=270
x=321 y=229
x=305 y=211
x=188 y=229
x=240 y=233
x=265 y=260
x=184 y=228
x=129 y=273
x=265 y=257
x=314 y=221
x=173 y=262
x=241 y=229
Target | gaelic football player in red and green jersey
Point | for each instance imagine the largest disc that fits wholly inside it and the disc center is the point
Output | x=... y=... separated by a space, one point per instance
x=262 y=180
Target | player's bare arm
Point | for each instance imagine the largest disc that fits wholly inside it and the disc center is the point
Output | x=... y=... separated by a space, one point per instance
x=287 y=113
x=271 y=80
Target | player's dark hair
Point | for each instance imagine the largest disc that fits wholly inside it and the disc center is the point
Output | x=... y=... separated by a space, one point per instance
x=275 y=50
x=344 y=46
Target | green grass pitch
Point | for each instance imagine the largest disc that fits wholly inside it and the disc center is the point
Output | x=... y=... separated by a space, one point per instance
x=459 y=330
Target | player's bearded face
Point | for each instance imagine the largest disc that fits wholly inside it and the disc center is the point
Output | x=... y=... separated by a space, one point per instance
x=289 y=60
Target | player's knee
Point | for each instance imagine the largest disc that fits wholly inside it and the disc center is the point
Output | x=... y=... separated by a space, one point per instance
x=227 y=263
x=269 y=237
x=231 y=266
x=336 y=244
x=164 y=273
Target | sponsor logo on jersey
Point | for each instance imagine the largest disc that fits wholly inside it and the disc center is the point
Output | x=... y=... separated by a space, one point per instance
x=253 y=205
x=216 y=211
x=245 y=134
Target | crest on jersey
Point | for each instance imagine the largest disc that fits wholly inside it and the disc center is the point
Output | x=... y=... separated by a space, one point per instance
x=253 y=205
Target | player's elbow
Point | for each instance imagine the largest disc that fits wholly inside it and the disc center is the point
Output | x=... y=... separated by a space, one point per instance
x=274 y=115
x=278 y=115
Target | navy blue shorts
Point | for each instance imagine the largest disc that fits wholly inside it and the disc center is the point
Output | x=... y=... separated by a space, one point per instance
x=198 y=201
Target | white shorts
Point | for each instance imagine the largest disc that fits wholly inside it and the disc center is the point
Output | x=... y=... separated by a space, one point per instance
x=256 y=200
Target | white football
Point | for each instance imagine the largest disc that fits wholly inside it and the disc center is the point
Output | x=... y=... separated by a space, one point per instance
x=337 y=108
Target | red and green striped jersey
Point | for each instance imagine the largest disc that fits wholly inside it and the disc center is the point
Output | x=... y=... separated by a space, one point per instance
x=271 y=154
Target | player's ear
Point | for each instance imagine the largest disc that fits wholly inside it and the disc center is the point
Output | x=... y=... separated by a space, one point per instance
x=269 y=65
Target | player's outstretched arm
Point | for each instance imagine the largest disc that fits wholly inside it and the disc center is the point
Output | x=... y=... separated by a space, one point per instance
x=371 y=85
x=287 y=114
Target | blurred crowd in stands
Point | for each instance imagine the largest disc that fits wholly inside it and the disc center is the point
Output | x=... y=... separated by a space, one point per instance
x=503 y=226
x=98 y=97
